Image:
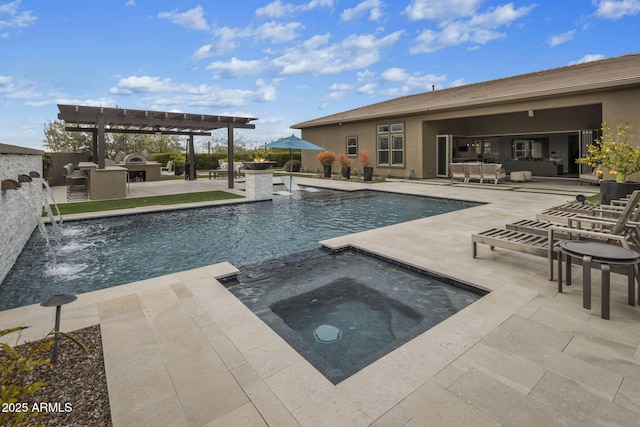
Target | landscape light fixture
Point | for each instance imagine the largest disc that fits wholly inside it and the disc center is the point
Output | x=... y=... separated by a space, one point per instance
x=57 y=301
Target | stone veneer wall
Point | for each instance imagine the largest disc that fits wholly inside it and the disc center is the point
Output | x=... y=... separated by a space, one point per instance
x=17 y=214
x=259 y=184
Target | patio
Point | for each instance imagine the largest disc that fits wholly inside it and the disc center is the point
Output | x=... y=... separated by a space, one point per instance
x=181 y=350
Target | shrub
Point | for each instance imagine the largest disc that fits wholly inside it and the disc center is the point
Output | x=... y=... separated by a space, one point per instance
x=365 y=158
x=326 y=158
x=344 y=160
x=292 y=166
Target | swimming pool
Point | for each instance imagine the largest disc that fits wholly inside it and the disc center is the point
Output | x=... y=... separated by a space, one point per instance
x=97 y=254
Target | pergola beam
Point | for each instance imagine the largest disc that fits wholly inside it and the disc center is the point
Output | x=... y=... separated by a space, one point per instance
x=101 y=120
x=137 y=131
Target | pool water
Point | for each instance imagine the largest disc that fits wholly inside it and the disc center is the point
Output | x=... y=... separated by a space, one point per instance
x=100 y=253
x=344 y=311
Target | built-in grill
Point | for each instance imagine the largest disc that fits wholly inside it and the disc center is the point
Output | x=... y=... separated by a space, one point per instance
x=135 y=158
x=140 y=169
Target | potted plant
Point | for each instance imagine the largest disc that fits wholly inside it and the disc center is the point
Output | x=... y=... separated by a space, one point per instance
x=345 y=162
x=179 y=159
x=326 y=159
x=365 y=161
x=613 y=153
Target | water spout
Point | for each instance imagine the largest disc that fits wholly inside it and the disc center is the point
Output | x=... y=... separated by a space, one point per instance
x=9 y=184
x=34 y=174
x=24 y=178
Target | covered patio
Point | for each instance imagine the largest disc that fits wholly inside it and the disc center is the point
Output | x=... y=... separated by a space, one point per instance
x=109 y=182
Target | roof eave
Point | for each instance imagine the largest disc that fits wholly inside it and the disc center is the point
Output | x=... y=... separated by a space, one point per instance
x=586 y=88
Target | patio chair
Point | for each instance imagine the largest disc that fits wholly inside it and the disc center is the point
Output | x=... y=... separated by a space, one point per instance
x=458 y=171
x=620 y=231
x=624 y=230
x=77 y=182
x=168 y=168
x=493 y=171
x=474 y=171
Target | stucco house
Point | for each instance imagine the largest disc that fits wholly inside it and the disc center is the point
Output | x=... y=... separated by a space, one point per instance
x=540 y=122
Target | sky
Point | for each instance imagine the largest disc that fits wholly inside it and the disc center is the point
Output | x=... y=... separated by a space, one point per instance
x=282 y=61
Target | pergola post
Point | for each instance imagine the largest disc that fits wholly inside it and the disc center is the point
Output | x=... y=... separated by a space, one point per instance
x=101 y=141
x=232 y=167
x=191 y=159
x=94 y=145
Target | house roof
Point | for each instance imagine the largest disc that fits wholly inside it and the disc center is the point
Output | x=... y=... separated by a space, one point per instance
x=590 y=76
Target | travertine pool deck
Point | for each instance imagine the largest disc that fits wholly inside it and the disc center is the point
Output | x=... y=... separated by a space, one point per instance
x=180 y=350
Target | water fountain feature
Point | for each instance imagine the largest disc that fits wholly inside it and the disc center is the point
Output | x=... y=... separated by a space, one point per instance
x=37 y=200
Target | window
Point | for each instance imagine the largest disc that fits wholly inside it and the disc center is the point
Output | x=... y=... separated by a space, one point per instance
x=352 y=146
x=390 y=147
x=383 y=150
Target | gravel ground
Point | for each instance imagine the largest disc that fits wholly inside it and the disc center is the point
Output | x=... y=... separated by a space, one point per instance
x=77 y=382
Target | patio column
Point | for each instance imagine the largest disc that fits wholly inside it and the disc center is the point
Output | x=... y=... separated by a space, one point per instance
x=101 y=141
x=191 y=159
x=232 y=167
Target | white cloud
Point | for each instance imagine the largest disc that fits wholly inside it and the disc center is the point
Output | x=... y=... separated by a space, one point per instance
x=163 y=94
x=267 y=92
x=236 y=67
x=141 y=84
x=373 y=7
x=278 y=33
x=317 y=56
x=613 y=10
x=559 y=39
x=12 y=17
x=202 y=52
x=367 y=89
x=227 y=39
x=12 y=89
x=193 y=19
x=337 y=91
x=587 y=58
x=278 y=9
x=441 y=10
x=131 y=3
x=410 y=82
x=480 y=29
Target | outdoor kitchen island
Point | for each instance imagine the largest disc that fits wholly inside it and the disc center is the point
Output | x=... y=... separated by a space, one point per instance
x=107 y=183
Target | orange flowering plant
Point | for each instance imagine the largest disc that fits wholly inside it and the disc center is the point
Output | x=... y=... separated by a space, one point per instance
x=344 y=160
x=326 y=158
x=613 y=152
x=365 y=158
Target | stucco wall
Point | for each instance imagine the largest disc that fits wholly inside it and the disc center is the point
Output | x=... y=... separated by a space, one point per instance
x=18 y=216
x=552 y=114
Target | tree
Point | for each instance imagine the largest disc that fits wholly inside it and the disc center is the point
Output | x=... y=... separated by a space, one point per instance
x=117 y=145
x=58 y=140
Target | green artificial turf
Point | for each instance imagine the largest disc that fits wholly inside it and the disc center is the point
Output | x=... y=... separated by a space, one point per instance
x=171 y=199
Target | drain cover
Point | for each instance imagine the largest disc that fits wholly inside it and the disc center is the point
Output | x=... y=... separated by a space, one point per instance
x=327 y=334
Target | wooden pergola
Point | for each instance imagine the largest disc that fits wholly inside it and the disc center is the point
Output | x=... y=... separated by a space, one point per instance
x=101 y=120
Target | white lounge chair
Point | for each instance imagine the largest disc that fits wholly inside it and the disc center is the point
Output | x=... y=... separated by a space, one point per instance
x=493 y=171
x=458 y=171
x=167 y=168
x=474 y=171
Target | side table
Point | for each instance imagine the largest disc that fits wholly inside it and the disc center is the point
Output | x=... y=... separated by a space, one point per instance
x=606 y=255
